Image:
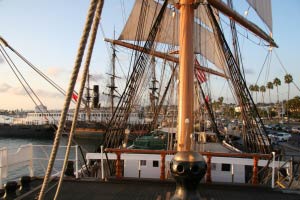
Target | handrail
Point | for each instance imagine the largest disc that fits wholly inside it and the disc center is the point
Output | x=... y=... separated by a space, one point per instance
x=205 y=153
x=209 y=155
x=7 y=162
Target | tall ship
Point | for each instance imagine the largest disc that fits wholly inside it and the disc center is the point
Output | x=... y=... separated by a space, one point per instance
x=186 y=40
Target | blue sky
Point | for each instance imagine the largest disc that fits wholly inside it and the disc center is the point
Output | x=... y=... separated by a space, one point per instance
x=47 y=33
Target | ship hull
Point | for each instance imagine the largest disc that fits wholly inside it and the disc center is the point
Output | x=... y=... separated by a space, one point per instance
x=27 y=131
x=89 y=133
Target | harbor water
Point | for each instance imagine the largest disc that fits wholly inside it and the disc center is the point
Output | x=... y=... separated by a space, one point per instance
x=41 y=150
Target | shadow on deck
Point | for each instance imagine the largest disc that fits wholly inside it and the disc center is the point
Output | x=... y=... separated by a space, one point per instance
x=152 y=189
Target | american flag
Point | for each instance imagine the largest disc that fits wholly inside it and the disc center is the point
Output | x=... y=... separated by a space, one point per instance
x=207 y=98
x=200 y=75
x=74 y=96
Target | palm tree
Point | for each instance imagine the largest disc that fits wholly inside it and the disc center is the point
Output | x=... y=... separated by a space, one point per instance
x=251 y=88
x=270 y=87
x=277 y=82
x=262 y=89
x=288 y=79
x=256 y=89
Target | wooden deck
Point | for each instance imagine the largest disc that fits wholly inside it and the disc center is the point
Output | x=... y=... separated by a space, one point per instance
x=152 y=189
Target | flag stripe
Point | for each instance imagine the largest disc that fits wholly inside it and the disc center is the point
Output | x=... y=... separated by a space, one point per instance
x=207 y=98
x=200 y=75
x=74 y=96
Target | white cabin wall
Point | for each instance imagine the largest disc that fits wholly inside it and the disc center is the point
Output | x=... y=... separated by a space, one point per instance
x=149 y=171
x=131 y=169
x=238 y=175
x=131 y=166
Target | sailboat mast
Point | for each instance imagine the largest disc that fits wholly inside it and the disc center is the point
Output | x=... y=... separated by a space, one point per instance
x=153 y=88
x=186 y=75
x=112 y=79
x=112 y=87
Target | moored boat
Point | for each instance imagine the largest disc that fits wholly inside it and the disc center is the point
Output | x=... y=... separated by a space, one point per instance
x=42 y=131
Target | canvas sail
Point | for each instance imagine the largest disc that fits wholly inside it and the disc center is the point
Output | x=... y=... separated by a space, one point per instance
x=264 y=11
x=200 y=13
x=204 y=41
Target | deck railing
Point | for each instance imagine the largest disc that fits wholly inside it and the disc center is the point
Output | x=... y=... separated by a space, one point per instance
x=255 y=160
x=31 y=160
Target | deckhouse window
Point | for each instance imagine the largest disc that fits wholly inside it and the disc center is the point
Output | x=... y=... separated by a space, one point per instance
x=226 y=167
x=143 y=162
x=155 y=163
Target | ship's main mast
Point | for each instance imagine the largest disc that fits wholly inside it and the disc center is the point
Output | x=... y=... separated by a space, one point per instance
x=187 y=167
x=186 y=75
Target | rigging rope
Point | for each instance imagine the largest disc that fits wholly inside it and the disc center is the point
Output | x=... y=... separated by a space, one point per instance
x=235 y=41
x=139 y=34
x=268 y=67
x=62 y=91
x=123 y=11
x=24 y=83
x=50 y=81
x=210 y=112
x=73 y=79
x=83 y=81
x=162 y=100
x=256 y=139
x=285 y=70
x=262 y=68
x=17 y=71
x=114 y=136
x=260 y=43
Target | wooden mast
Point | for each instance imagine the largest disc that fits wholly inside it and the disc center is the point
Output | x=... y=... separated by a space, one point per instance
x=186 y=75
x=112 y=79
x=185 y=161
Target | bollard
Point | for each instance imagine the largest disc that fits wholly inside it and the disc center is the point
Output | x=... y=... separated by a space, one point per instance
x=10 y=190
x=2 y=192
x=25 y=184
x=187 y=168
x=70 y=169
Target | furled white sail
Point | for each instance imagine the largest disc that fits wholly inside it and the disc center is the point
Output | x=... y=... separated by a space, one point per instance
x=204 y=41
x=264 y=10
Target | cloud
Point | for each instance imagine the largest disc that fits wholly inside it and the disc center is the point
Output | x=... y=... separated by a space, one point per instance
x=4 y=87
x=17 y=91
x=93 y=77
x=44 y=93
x=54 y=71
x=97 y=77
x=39 y=92
x=249 y=71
